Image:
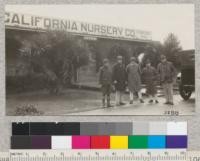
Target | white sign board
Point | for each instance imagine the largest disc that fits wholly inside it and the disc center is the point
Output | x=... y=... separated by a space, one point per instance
x=43 y=23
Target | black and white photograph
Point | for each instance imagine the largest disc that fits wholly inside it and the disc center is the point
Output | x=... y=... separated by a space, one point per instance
x=100 y=59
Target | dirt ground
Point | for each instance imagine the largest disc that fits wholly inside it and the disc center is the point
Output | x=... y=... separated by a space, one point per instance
x=86 y=102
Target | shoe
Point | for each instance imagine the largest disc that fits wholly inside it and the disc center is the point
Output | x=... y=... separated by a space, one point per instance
x=122 y=103
x=166 y=103
x=117 y=104
x=170 y=103
x=131 y=102
x=156 y=101
x=150 y=101
x=141 y=101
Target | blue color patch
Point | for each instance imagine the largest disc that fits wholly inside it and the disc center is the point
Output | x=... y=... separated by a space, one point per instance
x=156 y=141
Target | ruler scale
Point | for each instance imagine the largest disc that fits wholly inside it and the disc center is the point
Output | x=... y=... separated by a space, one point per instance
x=100 y=155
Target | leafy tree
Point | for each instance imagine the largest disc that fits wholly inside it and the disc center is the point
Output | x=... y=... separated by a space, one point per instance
x=152 y=52
x=171 y=47
x=55 y=54
x=117 y=50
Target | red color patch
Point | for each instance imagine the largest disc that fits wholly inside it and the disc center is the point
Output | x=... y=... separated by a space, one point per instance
x=100 y=142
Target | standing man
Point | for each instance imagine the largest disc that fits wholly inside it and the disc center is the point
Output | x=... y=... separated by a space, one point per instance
x=167 y=74
x=134 y=79
x=105 y=79
x=119 y=80
x=149 y=75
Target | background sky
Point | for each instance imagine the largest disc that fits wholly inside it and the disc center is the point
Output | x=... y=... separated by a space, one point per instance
x=160 y=19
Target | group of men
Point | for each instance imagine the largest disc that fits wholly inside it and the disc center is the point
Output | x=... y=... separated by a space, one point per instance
x=121 y=76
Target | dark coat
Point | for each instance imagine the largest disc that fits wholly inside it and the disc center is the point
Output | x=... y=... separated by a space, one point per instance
x=149 y=75
x=166 y=72
x=119 y=75
x=105 y=75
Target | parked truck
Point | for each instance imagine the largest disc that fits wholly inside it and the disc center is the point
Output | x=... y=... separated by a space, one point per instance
x=186 y=77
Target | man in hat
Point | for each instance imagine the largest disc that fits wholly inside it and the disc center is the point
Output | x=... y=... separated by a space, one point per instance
x=167 y=75
x=134 y=79
x=105 y=79
x=149 y=75
x=119 y=78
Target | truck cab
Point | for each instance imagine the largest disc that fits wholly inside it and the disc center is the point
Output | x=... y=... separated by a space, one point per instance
x=186 y=77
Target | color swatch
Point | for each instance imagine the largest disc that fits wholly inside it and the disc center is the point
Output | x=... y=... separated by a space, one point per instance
x=157 y=142
x=119 y=142
x=61 y=142
x=138 y=142
x=81 y=142
x=21 y=142
x=176 y=141
x=100 y=142
x=41 y=142
x=99 y=135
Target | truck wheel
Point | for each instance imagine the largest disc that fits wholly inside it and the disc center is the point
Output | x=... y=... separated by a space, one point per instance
x=185 y=94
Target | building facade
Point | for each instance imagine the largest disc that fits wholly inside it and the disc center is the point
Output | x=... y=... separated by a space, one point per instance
x=103 y=40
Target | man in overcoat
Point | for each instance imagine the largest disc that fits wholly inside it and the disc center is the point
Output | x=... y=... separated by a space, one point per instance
x=134 y=79
x=119 y=78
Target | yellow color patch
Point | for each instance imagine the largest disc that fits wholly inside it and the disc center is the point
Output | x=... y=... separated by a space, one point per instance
x=118 y=142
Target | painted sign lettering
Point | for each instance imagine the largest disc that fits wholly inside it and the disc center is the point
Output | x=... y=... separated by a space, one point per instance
x=44 y=23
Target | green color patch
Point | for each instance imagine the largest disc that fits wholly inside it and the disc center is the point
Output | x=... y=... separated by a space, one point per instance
x=138 y=142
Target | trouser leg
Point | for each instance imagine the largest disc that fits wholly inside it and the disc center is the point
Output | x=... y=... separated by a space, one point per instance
x=155 y=96
x=165 y=92
x=103 y=100
x=108 y=100
x=131 y=96
x=170 y=92
x=117 y=97
x=151 y=97
x=140 y=94
x=120 y=97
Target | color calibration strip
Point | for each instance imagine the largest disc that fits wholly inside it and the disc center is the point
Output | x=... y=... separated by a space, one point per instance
x=112 y=135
